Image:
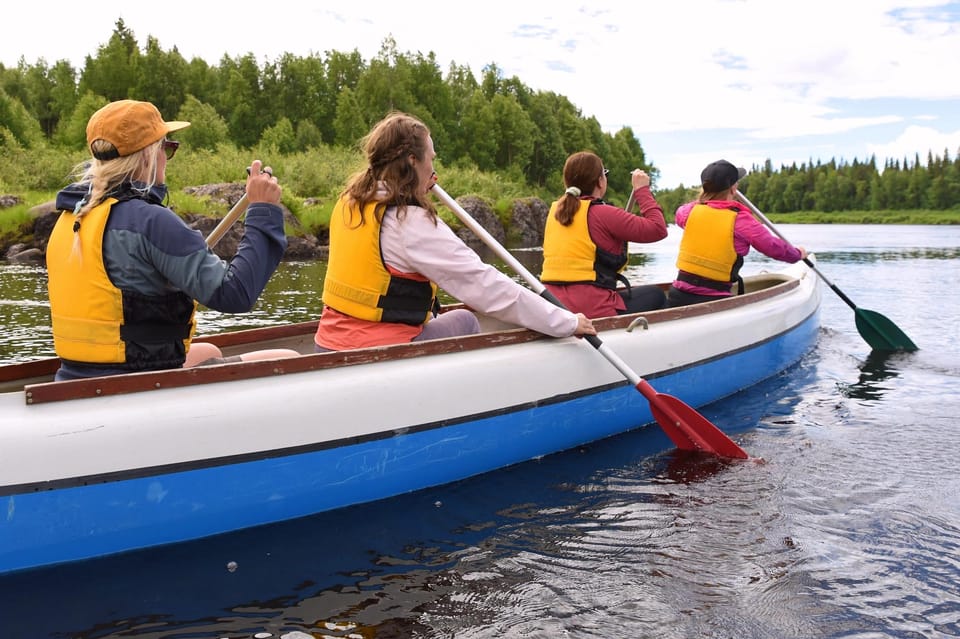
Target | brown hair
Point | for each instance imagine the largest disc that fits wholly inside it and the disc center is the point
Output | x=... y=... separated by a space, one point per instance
x=389 y=177
x=706 y=196
x=582 y=170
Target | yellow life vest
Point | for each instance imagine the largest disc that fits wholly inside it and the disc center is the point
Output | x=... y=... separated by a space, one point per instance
x=93 y=321
x=706 y=248
x=358 y=283
x=570 y=256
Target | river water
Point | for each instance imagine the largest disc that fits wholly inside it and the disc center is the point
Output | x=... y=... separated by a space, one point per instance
x=851 y=527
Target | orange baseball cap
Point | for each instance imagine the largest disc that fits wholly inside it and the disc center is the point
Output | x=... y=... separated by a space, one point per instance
x=129 y=125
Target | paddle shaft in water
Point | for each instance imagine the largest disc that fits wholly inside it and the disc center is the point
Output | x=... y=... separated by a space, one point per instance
x=221 y=229
x=683 y=425
x=878 y=331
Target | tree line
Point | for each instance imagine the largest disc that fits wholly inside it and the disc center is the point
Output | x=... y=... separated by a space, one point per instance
x=296 y=103
x=494 y=124
x=847 y=186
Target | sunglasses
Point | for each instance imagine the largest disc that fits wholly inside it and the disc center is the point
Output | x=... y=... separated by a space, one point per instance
x=170 y=148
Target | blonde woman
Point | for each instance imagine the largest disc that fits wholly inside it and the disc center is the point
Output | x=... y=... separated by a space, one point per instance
x=124 y=270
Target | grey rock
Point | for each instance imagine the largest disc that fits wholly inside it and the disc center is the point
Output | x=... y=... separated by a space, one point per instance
x=527 y=220
x=6 y=201
x=485 y=217
x=26 y=255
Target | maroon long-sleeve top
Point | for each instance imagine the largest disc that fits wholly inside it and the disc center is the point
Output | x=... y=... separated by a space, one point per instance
x=610 y=226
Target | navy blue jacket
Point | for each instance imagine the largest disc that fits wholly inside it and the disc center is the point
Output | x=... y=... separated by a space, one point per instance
x=147 y=248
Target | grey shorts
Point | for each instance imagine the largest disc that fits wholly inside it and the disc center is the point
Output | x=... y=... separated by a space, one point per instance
x=220 y=360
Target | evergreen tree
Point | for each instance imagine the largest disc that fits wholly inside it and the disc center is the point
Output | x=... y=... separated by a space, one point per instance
x=240 y=99
x=114 y=69
x=349 y=125
x=161 y=78
x=17 y=126
x=207 y=128
x=308 y=135
x=343 y=71
x=280 y=137
x=547 y=156
x=72 y=130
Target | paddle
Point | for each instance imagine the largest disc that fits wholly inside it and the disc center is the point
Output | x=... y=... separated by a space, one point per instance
x=878 y=331
x=238 y=209
x=688 y=429
x=221 y=229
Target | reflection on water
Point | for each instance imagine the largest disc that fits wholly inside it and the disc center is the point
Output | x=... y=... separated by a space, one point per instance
x=878 y=367
x=24 y=313
x=690 y=467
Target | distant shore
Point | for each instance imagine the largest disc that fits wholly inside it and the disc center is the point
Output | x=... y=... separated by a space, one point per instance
x=869 y=217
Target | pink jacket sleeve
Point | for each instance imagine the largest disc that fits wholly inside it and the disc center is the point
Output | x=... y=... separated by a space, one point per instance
x=417 y=245
x=748 y=231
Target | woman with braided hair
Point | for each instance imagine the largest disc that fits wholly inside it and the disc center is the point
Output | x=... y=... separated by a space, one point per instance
x=390 y=253
x=125 y=273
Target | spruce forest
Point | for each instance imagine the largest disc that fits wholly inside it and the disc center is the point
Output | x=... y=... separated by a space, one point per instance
x=323 y=104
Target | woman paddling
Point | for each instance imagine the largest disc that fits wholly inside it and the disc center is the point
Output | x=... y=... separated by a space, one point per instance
x=718 y=232
x=124 y=270
x=586 y=239
x=390 y=253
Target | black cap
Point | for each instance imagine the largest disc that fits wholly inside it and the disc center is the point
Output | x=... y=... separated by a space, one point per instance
x=720 y=176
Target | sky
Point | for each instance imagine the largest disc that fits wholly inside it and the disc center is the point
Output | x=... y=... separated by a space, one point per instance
x=696 y=80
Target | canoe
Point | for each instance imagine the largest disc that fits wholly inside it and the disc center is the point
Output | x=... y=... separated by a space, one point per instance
x=107 y=465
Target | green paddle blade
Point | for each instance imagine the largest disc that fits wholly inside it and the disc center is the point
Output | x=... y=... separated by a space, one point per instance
x=880 y=333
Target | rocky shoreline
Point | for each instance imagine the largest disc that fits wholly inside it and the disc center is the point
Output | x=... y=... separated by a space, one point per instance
x=525 y=228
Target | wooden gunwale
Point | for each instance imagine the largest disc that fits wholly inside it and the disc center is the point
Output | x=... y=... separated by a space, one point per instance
x=23 y=376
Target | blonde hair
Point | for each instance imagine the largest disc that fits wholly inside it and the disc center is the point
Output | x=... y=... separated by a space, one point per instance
x=387 y=148
x=103 y=176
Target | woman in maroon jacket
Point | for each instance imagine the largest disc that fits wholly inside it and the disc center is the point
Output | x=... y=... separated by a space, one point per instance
x=586 y=239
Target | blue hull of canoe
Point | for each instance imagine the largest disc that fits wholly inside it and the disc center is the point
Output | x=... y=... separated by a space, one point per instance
x=59 y=524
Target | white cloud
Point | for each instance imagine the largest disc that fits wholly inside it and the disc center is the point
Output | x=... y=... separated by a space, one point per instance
x=912 y=139
x=756 y=78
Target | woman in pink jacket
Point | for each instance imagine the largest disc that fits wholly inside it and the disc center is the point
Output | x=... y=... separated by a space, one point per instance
x=718 y=231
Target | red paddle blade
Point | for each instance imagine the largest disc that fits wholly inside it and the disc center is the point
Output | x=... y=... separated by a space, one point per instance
x=688 y=429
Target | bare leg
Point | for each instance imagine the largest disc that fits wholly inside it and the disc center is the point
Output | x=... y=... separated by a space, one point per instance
x=201 y=352
x=269 y=353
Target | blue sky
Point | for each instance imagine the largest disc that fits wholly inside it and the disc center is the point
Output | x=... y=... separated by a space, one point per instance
x=696 y=80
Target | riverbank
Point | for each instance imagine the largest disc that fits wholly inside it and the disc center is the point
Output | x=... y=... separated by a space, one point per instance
x=25 y=227
x=25 y=222
x=919 y=216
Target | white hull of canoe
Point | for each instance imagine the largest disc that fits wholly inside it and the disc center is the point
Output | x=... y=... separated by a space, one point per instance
x=117 y=471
